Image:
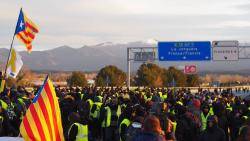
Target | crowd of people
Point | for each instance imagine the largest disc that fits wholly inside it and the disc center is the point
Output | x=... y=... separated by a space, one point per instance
x=140 y=114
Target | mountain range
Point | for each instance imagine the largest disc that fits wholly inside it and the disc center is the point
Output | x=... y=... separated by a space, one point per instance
x=93 y=58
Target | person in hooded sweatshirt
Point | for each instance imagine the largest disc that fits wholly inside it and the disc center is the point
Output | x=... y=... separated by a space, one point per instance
x=213 y=132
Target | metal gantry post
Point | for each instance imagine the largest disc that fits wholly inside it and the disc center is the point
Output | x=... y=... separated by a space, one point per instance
x=128 y=67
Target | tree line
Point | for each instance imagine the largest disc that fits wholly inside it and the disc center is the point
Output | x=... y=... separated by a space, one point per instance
x=148 y=74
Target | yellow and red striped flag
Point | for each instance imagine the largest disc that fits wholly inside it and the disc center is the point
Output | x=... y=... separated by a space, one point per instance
x=42 y=121
x=25 y=30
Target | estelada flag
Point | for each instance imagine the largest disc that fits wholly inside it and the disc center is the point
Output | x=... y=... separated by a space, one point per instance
x=25 y=30
x=42 y=121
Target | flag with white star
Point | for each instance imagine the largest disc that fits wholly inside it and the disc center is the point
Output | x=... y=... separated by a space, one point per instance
x=25 y=30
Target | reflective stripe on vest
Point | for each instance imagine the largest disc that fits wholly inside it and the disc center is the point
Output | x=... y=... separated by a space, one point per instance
x=82 y=134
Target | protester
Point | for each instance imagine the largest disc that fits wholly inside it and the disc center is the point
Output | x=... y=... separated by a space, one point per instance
x=213 y=132
x=151 y=130
x=135 y=128
x=118 y=114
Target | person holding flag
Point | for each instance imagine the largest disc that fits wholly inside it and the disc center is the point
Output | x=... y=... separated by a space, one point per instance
x=25 y=31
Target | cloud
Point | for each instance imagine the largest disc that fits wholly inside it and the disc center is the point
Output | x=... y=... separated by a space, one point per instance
x=243 y=7
x=79 y=22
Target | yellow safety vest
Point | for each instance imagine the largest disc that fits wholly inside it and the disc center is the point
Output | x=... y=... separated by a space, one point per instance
x=160 y=94
x=107 y=119
x=100 y=98
x=21 y=101
x=145 y=97
x=81 y=95
x=180 y=103
x=174 y=126
x=4 y=104
x=211 y=111
x=82 y=134
x=119 y=111
x=96 y=113
x=229 y=107
x=126 y=122
x=90 y=103
x=165 y=96
x=204 y=121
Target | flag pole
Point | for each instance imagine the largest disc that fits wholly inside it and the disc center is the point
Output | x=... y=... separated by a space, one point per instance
x=11 y=46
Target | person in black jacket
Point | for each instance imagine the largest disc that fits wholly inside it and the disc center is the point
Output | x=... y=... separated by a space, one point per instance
x=220 y=112
x=127 y=114
x=213 y=132
x=187 y=129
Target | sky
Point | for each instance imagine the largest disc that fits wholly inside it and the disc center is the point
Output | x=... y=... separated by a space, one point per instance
x=88 y=22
